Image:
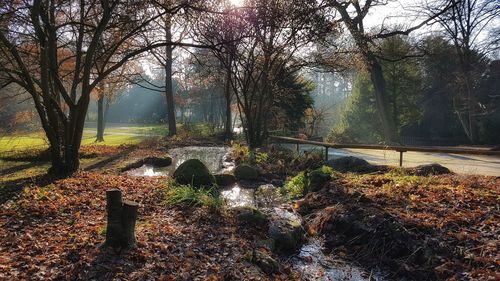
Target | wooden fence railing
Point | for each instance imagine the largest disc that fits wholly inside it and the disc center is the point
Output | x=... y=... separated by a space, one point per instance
x=399 y=148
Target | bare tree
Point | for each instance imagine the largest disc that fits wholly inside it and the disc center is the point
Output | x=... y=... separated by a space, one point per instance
x=266 y=37
x=228 y=36
x=59 y=51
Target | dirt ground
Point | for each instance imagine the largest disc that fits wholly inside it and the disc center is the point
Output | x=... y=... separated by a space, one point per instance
x=443 y=227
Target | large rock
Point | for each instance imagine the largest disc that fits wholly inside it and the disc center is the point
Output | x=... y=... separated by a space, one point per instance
x=266 y=263
x=150 y=160
x=351 y=164
x=194 y=172
x=431 y=169
x=250 y=216
x=246 y=172
x=286 y=230
x=225 y=179
x=158 y=161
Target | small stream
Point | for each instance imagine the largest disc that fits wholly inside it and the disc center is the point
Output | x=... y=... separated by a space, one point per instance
x=310 y=261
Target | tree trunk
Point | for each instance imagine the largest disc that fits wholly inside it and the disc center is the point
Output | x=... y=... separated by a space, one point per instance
x=122 y=215
x=100 y=119
x=382 y=101
x=471 y=110
x=172 y=130
x=65 y=136
x=228 y=128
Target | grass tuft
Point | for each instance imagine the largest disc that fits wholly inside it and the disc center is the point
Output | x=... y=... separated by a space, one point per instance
x=190 y=196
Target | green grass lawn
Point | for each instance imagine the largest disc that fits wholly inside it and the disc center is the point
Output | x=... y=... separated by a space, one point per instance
x=29 y=144
x=15 y=144
x=16 y=148
x=145 y=129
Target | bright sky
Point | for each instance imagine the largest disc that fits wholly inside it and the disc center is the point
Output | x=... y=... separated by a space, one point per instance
x=237 y=2
x=394 y=13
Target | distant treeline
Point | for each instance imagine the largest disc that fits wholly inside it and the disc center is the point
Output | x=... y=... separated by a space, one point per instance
x=424 y=98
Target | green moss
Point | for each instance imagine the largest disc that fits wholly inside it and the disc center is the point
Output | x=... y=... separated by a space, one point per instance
x=400 y=176
x=306 y=181
x=296 y=186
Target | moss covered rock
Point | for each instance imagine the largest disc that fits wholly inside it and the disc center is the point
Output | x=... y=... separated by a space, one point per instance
x=246 y=172
x=194 y=172
x=225 y=179
x=250 y=216
x=265 y=262
x=317 y=179
x=286 y=230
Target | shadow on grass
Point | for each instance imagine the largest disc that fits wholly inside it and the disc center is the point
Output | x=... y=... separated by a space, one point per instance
x=34 y=155
x=108 y=160
x=18 y=168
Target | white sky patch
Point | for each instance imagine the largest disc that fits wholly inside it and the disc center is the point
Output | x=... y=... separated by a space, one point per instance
x=237 y=3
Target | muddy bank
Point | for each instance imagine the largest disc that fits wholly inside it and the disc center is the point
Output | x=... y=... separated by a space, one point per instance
x=414 y=228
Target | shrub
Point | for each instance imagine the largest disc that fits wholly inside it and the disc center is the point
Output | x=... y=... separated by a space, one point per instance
x=240 y=153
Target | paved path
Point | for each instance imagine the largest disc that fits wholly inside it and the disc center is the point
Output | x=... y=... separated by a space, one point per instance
x=111 y=132
x=461 y=164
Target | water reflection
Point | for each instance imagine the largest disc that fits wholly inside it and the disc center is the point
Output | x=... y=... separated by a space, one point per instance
x=238 y=197
x=146 y=170
x=314 y=265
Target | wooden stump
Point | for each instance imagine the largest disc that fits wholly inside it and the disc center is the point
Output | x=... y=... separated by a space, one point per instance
x=129 y=216
x=120 y=230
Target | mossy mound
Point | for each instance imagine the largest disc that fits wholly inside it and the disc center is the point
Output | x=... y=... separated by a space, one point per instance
x=194 y=172
x=250 y=216
x=351 y=164
x=431 y=169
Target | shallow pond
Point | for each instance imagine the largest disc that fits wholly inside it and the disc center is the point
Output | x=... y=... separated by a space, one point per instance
x=216 y=158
